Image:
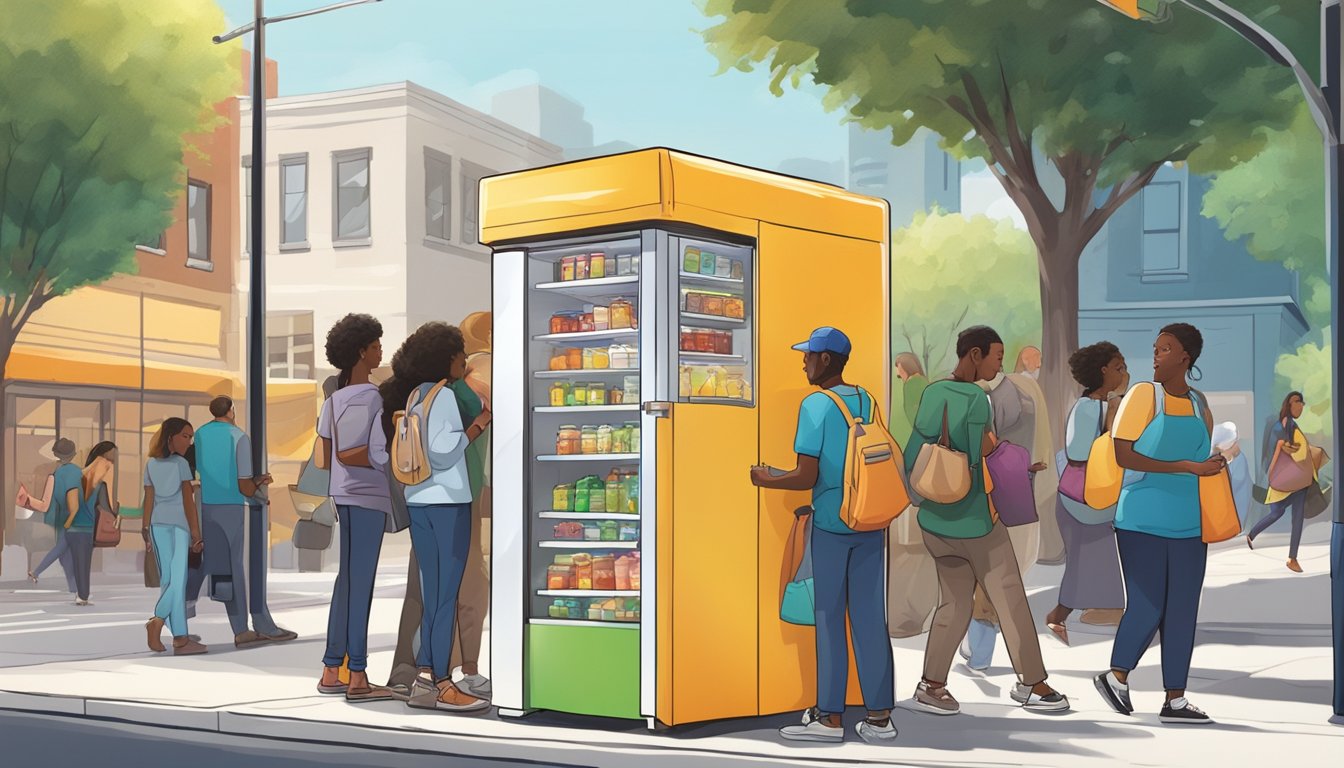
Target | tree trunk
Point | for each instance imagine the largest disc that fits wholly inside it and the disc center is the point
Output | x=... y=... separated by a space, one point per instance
x=1059 y=333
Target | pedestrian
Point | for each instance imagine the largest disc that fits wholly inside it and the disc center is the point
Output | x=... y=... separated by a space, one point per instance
x=440 y=506
x=1092 y=581
x=355 y=448
x=1289 y=445
x=1029 y=362
x=173 y=530
x=1162 y=436
x=229 y=490
x=906 y=395
x=98 y=466
x=60 y=500
x=847 y=564
x=968 y=543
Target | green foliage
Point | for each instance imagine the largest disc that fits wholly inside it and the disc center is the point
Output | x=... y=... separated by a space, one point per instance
x=1308 y=371
x=95 y=98
x=1275 y=200
x=951 y=271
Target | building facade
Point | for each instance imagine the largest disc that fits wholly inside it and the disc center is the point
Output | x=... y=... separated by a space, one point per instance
x=912 y=178
x=372 y=207
x=1159 y=261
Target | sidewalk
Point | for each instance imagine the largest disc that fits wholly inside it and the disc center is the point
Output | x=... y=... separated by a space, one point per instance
x=1261 y=670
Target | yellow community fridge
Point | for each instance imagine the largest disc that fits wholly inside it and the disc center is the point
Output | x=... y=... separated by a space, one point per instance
x=644 y=309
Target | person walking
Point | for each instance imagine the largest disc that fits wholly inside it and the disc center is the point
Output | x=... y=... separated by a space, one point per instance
x=174 y=530
x=1162 y=436
x=968 y=543
x=60 y=500
x=355 y=449
x=97 y=468
x=847 y=564
x=229 y=490
x=1289 y=445
x=1092 y=581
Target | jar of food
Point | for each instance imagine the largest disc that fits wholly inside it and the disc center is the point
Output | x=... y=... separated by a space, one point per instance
x=559 y=361
x=712 y=305
x=618 y=357
x=616 y=396
x=597 y=395
x=580 y=391
x=604 y=438
x=581 y=267
x=601 y=318
x=690 y=263
x=588 y=440
x=558 y=394
x=562 y=497
x=559 y=577
x=631 y=384
x=622 y=264
x=620 y=443
x=567 y=441
x=707 y=263
x=591 y=532
x=587 y=358
x=695 y=302
x=723 y=267
x=622 y=314
x=558 y=324
x=597 y=265
x=734 y=307
x=611 y=531
x=567 y=269
x=586 y=322
x=633 y=427
x=601 y=359
x=574 y=359
x=736 y=271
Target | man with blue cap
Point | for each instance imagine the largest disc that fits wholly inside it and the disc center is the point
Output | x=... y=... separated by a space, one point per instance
x=847 y=565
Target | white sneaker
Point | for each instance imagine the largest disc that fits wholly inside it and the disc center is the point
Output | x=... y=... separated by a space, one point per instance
x=812 y=729
x=476 y=685
x=874 y=734
x=964 y=650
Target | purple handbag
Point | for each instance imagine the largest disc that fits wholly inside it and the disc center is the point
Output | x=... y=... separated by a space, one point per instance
x=1010 y=468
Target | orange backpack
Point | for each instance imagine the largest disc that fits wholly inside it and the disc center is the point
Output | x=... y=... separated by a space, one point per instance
x=874 y=484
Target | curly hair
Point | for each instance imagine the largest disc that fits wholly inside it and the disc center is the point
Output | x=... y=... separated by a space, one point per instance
x=1191 y=340
x=425 y=357
x=346 y=339
x=1086 y=365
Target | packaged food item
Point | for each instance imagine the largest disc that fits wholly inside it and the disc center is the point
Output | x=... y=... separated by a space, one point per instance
x=565 y=560
x=736 y=271
x=603 y=436
x=713 y=305
x=617 y=357
x=723 y=342
x=591 y=532
x=695 y=303
x=629 y=531
x=580 y=391
x=597 y=496
x=634 y=571
x=573 y=609
x=588 y=440
x=615 y=396
x=574 y=359
x=601 y=318
x=568 y=441
x=601 y=359
x=723 y=267
x=622 y=314
x=687 y=340
x=568 y=530
x=567 y=269
x=684 y=381
x=553 y=610
x=562 y=498
x=622 y=264
x=559 y=361
x=581 y=267
x=632 y=492
x=609 y=607
x=559 y=577
x=737 y=386
x=586 y=322
x=597 y=265
x=619 y=439
x=582 y=495
x=634 y=263
x=597 y=394
x=734 y=307
x=583 y=571
x=704 y=340
x=708 y=263
x=623 y=572
x=631 y=384
x=604 y=572
x=594 y=610
x=690 y=263
x=558 y=394
x=558 y=323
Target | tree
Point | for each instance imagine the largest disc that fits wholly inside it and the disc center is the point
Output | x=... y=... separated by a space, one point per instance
x=986 y=276
x=1275 y=201
x=95 y=99
x=1104 y=100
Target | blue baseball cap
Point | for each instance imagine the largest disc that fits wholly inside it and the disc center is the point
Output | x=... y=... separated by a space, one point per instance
x=826 y=339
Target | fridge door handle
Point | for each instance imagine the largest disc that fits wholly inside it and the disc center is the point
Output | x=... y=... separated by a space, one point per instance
x=658 y=408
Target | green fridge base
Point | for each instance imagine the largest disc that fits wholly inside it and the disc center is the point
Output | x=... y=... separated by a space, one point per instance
x=583 y=670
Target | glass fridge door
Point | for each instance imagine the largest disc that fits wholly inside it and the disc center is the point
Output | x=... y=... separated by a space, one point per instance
x=715 y=315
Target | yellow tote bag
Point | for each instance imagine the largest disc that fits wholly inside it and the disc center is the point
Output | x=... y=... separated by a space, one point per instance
x=1217 y=508
x=1104 y=477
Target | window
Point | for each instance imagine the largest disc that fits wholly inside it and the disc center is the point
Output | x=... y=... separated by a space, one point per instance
x=293 y=201
x=1163 y=254
x=247 y=205
x=471 y=186
x=198 y=224
x=154 y=245
x=352 y=197
x=289 y=345
x=438 y=193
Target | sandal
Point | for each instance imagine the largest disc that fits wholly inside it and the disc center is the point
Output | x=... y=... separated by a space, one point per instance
x=366 y=695
x=154 y=628
x=32 y=577
x=1060 y=631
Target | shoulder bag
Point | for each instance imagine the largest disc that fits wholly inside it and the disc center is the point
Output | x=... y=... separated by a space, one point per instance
x=942 y=474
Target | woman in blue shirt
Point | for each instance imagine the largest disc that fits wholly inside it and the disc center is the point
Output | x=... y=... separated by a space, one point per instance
x=59 y=501
x=97 y=467
x=174 y=529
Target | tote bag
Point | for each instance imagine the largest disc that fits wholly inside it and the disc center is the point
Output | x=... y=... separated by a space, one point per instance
x=1073 y=480
x=1218 y=517
x=798 y=603
x=1288 y=474
x=942 y=474
x=1009 y=468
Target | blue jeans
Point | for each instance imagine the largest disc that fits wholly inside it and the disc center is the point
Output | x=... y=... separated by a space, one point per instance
x=983 y=636
x=81 y=556
x=849 y=575
x=254 y=577
x=171 y=545
x=258 y=546
x=1337 y=610
x=361 y=532
x=1163 y=580
x=441 y=535
x=61 y=551
x=1297 y=502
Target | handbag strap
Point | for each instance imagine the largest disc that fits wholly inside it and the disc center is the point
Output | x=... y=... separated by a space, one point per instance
x=945 y=439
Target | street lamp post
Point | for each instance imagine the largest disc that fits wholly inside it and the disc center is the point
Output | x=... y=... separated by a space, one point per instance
x=1324 y=102
x=256 y=305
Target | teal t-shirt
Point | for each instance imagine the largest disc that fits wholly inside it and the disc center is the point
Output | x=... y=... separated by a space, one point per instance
x=67 y=478
x=223 y=455
x=823 y=434
x=470 y=404
x=968 y=416
x=88 y=510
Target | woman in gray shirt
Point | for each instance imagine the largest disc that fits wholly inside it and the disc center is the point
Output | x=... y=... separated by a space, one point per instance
x=175 y=530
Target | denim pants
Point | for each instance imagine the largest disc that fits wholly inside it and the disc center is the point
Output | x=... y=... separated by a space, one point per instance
x=81 y=557
x=1337 y=610
x=1297 y=502
x=441 y=536
x=171 y=545
x=849 y=574
x=1163 y=579
x=258 y=545
x=361 y=532
x=223 y=530
x=61 y=551
x=982 y=637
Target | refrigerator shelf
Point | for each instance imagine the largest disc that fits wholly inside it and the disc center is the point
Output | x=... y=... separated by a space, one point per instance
x=710 y=357
x=581 y=544
x=552 y=514
x=613 y=457
x=585 y=623
x=711 y=320
x=566 y=338
x=588 y=592
x=575 y=373
x=602 y=286
x=698 y=399
x=718 y=282
x=585 y=408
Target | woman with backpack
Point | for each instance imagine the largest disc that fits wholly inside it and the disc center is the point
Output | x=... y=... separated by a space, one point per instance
x=430 y=433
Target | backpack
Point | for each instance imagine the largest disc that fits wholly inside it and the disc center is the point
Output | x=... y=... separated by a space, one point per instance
x=410 y=446
x=873 y=486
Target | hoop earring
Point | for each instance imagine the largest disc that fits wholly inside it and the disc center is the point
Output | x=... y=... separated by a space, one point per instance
x=1195 y=374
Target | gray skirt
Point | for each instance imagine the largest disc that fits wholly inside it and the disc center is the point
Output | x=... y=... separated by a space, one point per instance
x=1092 y=577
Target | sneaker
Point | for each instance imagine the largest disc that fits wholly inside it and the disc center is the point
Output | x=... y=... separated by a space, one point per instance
x=280 y=635
x=444 y=696
x=876 y=734
x=185 y=646
x=1181 y=711
x=249 y=639
x=1054 y=701
x=1115 y=694
x=812 y=729
x=476 y=685
x=935 y=701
